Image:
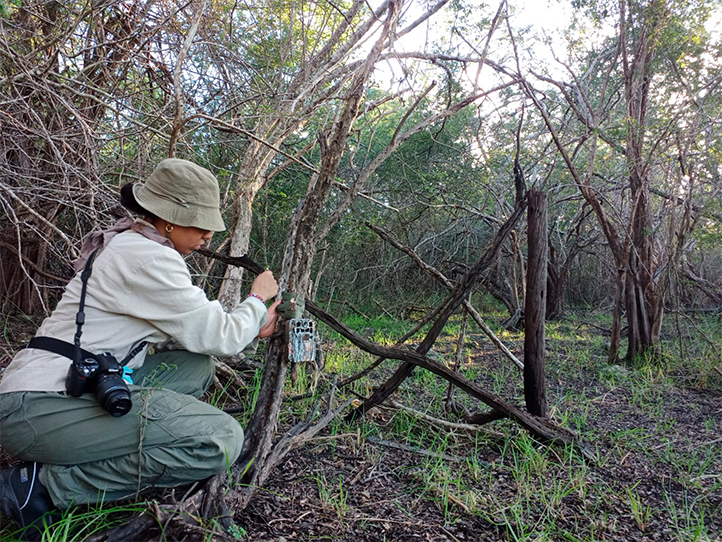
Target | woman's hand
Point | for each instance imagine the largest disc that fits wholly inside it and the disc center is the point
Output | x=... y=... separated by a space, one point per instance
x=265 y=285
x=271 y=318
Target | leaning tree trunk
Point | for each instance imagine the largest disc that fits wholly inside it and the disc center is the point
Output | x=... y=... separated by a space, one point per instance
x=297 y=264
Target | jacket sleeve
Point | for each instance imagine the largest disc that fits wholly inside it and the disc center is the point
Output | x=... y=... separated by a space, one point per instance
x=161 y=292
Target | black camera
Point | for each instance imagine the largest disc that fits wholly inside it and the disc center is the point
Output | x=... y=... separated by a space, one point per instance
x=104 y=376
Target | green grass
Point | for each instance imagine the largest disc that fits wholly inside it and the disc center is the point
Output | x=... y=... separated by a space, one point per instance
x=535 y=492
x=78 y=524
x=517 y=487
x=332 y=494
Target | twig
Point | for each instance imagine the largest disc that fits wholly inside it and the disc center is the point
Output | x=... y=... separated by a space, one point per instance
x=177 y=123
x=334 y=437
x=44 y=220
x=443 y=423
x=380 y=306
x=414 y=449
x=709 y=443
x=224 y=370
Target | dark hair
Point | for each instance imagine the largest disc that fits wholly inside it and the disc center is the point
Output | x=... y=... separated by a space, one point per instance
x=127 y=200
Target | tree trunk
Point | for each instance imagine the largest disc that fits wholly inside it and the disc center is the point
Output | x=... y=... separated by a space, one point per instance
x=255 y=160
x=535 y=306
x=262 y=427
x=295 y=276
x=556 y=286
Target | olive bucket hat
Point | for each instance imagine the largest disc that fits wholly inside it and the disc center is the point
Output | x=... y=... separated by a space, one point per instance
x=182 y=193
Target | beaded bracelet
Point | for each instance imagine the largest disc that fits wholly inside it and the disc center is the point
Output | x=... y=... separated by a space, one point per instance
x=257 y=297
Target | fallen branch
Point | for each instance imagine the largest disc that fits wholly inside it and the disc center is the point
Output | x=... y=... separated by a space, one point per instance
x=227 y=372
x=415 y=449
x=485 y=417
x=444 y=423
x=541 y=428
x=458 y=296
x=439 y=276
x=401 y=341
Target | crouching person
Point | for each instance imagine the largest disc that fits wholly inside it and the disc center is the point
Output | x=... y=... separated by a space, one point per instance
x=95 y=419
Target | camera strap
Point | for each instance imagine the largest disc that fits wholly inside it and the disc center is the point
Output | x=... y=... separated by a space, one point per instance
x=56 y=346
x=80 y=316
x=63 y=348
x=73 y=351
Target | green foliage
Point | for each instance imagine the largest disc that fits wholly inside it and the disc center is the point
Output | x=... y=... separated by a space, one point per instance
x=7 y=7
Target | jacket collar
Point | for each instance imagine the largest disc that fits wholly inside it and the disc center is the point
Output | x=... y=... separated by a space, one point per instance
x=98 y=240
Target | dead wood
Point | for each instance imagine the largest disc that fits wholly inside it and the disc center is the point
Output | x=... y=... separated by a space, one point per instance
x=444 y=423
x=549 y=432
x=401 y=341
x=414 y=449
x=130 y=531
x=261 y=429
x=460 y=294
x=545 y=430
x=231 y=375
x=177 y=521
x=450 y=403
x=439 y=276
x=482 y=418
x=535 y=305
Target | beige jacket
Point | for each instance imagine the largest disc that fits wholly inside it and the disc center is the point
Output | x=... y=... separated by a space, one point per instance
x=138 y=291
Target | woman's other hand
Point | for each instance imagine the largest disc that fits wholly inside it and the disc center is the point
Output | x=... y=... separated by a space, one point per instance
x=265 y=286
x=271 y=318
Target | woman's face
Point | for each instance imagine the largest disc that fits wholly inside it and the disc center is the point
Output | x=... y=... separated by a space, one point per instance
x=186 y=239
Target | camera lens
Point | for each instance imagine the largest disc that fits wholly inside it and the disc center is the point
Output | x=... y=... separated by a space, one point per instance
x=113 y=395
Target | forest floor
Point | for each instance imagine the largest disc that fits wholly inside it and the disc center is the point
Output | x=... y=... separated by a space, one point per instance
x=654 y=431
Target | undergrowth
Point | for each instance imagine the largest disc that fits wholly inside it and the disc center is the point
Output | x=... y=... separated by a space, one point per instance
x=656 y=472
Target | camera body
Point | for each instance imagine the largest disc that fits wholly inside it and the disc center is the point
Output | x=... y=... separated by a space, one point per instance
x=104 y=376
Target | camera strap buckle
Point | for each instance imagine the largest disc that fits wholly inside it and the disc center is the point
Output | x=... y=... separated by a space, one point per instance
x=126 y=374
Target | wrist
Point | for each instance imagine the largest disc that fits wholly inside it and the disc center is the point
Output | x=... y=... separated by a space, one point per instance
x=260 y=298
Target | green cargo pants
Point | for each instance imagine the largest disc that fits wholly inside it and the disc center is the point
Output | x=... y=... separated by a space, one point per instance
x=167 y=439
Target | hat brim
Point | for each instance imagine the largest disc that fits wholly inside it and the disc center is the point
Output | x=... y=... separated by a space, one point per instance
x=188 y=215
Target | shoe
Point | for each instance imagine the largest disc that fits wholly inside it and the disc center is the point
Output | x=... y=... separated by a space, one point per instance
x=26 y=500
